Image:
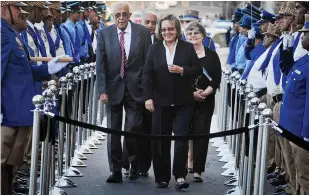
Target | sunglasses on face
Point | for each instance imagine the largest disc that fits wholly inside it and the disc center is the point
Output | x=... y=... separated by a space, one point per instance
x=124 y=15
x=193 y=33
x=152 y=22
x=170 y=29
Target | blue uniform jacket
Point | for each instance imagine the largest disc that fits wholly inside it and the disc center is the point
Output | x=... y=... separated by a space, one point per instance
x=17 y=79
x=241 y=57
x=83 y=51
x=69 y=27
x=232 y=50
x=294 y=114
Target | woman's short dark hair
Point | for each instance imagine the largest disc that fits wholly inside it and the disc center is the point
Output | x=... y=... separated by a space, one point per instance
x=170 y=18
x=196 y=25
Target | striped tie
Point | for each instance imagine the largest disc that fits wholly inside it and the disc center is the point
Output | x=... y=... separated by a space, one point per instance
x=123 y=54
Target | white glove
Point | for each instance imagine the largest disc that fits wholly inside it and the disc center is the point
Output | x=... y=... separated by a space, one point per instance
x=251 y=33
x=290 y=40
x=54 y=66
x=306 y=139
x=285 y=42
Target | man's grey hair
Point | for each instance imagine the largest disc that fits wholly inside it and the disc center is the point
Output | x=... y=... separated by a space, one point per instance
x=118 y=4
x=148 y=12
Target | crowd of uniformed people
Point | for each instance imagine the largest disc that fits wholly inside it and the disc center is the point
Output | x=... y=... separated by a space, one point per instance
x=164 y=74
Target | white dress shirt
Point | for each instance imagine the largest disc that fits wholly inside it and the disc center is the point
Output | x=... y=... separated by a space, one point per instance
x=127 y=38
x=60 y=51
x=170 y=56
x=94 y=42
x=272 y=88
x=300 y=51
x=255 y=77
x=152 y=38
x=31 y=43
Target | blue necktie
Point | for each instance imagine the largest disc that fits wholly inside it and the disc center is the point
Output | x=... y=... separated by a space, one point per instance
x=77 y=41
x=41 y=45
x=267 y=59
x=59 y=37
x=86 y=34
x=34 y=37
x=296 y=41
x=52 y=48
x=277 y=72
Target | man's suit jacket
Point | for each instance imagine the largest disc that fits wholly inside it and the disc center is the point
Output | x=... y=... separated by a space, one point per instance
x=166 y=88
x=108 y=63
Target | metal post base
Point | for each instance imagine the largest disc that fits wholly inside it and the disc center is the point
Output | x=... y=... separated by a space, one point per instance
x=57 y=191
x=73 y=172
x=227 y=158
x=78 y=163
x=214 y=139
x=234 y=191
x=223 y=147
x=85 y=150
x=95 y=140
x=229 y=165
x=90 y=144
x=231 y=172
x=224 y=152
x=100 y=133
x=79 y=155
x=218 y=143
x=65 y=182
x=233 y=181
x=100 y=137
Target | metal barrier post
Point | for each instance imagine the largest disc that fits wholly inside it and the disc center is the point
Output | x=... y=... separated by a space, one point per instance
x=267 y=114
x=261 y=107
x=62 y=182
x=38 y=101
x=82 y=148
x=254 y=116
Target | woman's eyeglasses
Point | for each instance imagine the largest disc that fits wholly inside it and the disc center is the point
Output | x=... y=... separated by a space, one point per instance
x=168 y=29
x=193 y=33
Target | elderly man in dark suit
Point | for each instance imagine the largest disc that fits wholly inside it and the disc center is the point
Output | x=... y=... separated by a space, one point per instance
x=121 y=55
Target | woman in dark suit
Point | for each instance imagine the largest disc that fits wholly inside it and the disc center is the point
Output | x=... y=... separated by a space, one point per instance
x=206 y=85
x=171 y=64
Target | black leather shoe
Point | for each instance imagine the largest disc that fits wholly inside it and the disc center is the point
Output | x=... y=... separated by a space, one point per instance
x=25 y=172
x=162 y=184
x=19 y=188
x=181 y=185
x=115 y=177
x=21 y=181
x=272 y=175
x=278 y=181
x=127 y=173
x=271 y=169
x=16 y=193
x=134 y=175
x=144 y=174
x=190 y=170
x=281 y=188
x=197 y=179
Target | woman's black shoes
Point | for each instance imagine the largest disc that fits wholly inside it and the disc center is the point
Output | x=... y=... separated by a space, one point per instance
x=162 y=184
x=181 y=185
x=197 y=179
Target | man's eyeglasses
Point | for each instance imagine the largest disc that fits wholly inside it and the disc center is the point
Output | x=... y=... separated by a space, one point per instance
x=168 y=29
x=152 y=22
x=124 y=15
x=193 y=33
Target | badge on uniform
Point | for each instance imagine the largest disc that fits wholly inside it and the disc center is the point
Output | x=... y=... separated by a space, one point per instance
x=19 y=43
x=297 y=72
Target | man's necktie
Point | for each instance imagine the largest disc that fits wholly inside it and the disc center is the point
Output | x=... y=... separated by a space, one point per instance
x=123 y=55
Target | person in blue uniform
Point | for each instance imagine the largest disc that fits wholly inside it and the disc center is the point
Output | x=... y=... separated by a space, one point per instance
x=295 y=111
x=72 y=29
x=17 y=90
x=193 y=15
x=266 y=19
x=232 y=45
x=102 y=9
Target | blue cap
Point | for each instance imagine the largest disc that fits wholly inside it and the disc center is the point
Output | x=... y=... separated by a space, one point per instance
x=75 y=6
x=267 y=17
x=246 y=21
x=253 y=8
x=253 y=14
x=237 y=15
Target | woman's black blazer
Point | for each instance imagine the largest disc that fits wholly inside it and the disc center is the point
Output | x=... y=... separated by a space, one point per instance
x=166 y=88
